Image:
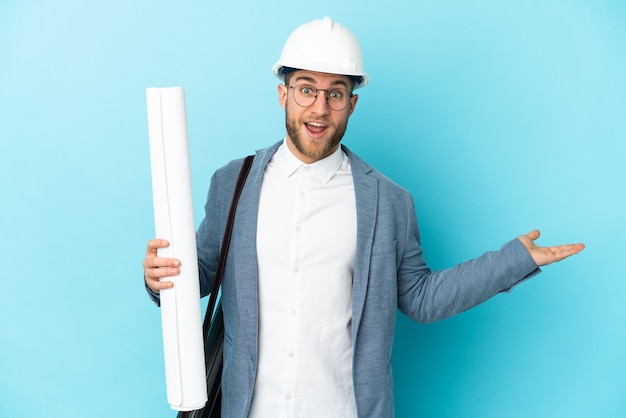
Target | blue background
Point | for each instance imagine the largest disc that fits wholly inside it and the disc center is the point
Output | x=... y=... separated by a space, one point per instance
x=499 y=117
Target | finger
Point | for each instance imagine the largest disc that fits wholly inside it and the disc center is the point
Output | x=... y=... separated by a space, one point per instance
x=154 y=245
x=160 y=272
x=156 y=262
x=548 y=255
x=157 y=285
x=154 y=276
x=564 y=251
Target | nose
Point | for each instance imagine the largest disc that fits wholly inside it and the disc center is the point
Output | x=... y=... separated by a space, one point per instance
x=320 y=105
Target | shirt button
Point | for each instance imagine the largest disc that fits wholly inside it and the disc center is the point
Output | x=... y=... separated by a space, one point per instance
x=301 y=193
x=299 y=228
x=288 y=396
x=297 y=269
x=292 y=354
x=293 y=312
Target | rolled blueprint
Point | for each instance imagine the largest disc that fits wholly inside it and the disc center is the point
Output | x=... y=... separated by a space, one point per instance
x=183 y=344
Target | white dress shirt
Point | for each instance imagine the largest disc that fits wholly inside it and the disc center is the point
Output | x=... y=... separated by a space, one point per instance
x=306 y=244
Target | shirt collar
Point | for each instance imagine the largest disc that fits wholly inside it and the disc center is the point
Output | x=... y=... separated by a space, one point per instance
x=323 y=169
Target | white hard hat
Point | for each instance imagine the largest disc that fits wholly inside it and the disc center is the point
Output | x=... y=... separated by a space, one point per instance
x=324 y=46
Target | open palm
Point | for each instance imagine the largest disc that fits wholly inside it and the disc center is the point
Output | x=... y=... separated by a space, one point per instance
x=547 y=255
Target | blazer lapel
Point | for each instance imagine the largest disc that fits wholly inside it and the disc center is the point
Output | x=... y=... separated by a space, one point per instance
x=244 y=245
x=366 y=193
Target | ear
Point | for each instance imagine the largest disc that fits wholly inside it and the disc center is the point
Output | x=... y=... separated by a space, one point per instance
x=282 y=95
x=353 y=100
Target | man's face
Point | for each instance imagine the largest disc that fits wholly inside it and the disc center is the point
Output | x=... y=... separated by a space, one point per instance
x=314 y=132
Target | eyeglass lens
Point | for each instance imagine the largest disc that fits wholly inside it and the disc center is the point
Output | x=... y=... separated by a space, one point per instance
x=305 y=95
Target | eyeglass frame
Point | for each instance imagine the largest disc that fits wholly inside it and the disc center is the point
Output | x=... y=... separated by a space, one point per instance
x=326 y=93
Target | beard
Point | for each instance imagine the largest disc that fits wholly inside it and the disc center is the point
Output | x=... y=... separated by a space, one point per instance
x=325 y=148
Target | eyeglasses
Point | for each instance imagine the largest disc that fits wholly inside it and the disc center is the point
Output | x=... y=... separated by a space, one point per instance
x=305 y=95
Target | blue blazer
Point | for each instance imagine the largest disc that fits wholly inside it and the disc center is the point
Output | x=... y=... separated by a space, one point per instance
x=389 y=274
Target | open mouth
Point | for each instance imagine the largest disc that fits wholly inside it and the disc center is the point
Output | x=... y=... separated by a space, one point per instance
x=316 y=128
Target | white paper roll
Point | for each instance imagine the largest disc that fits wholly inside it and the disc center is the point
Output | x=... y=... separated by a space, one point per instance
x=183 y=343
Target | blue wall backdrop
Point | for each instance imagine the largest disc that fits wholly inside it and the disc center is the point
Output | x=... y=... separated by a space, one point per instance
x=499 y=117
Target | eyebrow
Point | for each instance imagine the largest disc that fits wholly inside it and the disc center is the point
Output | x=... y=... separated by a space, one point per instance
x=312 y=81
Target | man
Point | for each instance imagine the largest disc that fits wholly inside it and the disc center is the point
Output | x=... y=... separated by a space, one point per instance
x=324 y=251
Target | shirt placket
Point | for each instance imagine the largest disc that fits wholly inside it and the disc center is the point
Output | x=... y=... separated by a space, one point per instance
x=293 y=321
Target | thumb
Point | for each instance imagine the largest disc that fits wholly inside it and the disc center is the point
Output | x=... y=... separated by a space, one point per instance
x=534 y=234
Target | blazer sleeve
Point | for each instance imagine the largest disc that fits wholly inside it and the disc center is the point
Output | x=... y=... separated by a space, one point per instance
x=427 y=296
